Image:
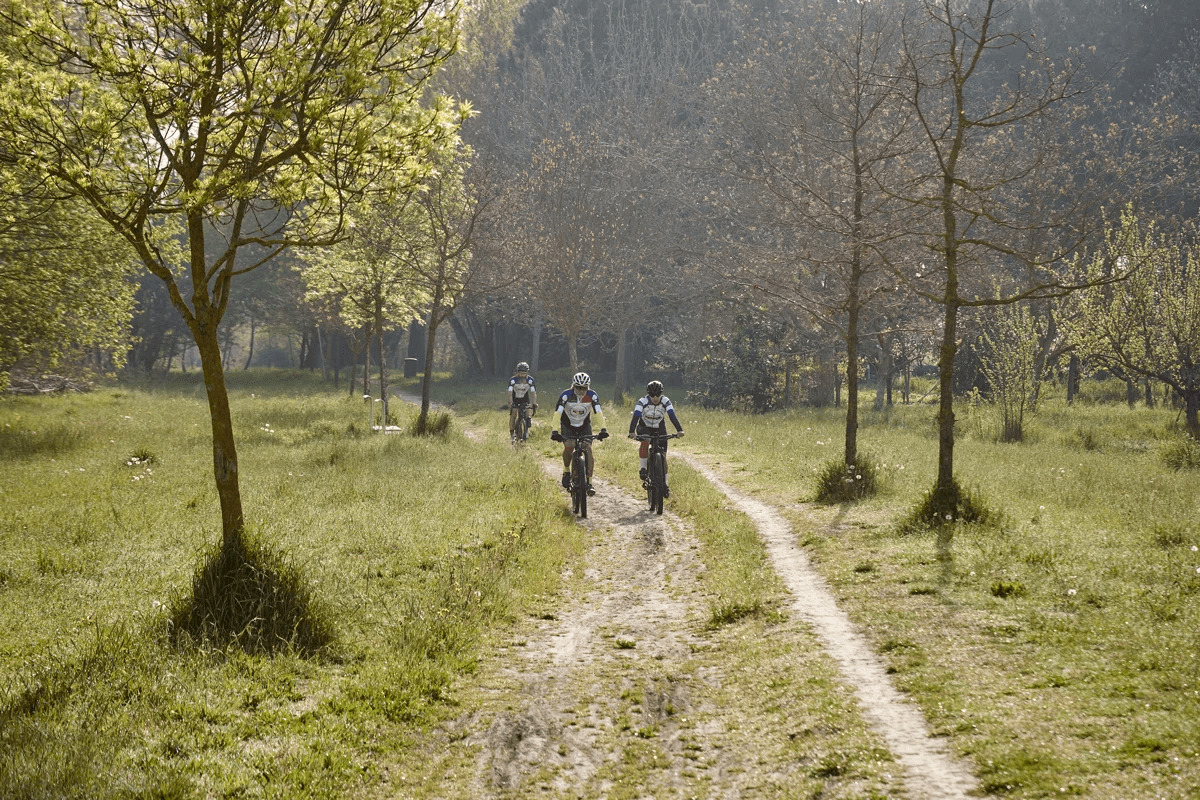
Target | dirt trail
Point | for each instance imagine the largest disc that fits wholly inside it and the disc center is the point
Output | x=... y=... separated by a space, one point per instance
x=930 y=770
x=621 y=687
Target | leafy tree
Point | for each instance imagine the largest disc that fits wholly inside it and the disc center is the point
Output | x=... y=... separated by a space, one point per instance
x=223 y=125
x=64 y=285
x=1011 y=365
x=1149 y=324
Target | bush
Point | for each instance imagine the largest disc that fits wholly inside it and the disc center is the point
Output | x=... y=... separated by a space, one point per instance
x=1182 y=454
x=437 y=424
x=939 y=508
x=245 y=596
x=839 y=482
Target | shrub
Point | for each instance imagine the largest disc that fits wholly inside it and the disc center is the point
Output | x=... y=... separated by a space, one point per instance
x=839 y=482
x=436 y=424
x=1182 y=454
x=941 y=508
x=245 y=596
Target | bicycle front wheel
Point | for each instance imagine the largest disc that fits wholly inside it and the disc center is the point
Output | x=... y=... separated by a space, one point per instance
x=579 y=485
x=656 y=476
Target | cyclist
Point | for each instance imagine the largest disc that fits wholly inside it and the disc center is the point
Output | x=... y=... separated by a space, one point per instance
x=521 y=393
x=649 y=415
x=575 y=408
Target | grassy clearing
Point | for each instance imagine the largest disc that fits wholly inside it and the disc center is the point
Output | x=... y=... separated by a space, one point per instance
x=1060 y=650
x=109 y=511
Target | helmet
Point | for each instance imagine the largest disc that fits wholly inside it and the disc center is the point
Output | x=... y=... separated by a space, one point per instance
x=582 y=379
x=654 y=388
x=522 y=367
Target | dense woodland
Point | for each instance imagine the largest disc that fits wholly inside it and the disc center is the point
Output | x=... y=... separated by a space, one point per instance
x=770 y=202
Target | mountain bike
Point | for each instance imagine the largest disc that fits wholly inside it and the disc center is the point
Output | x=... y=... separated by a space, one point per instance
x=579 y=472
x=521 y=432
x=656 y=469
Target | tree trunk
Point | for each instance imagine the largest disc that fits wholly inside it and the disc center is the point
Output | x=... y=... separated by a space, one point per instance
x=1131 y=392
x=1191 y=414
x=367 y=360
x=885 y=376
x=383 y=393
x=225 y=462
x=573 y=351
x=1072 y=379
x=469 y=345
x=426 y=380
x=321 y=355
x=1149 y=394
x=944 y=487
x=851 y=454
x=619 y=387
x=536 y=354
x=250 y=348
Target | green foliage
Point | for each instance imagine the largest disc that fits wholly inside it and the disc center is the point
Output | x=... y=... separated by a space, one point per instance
x=437 y=423
x=839 y=482
x=1011 y=341
x=64 y=287
x=740 y=370
x=1147 y=324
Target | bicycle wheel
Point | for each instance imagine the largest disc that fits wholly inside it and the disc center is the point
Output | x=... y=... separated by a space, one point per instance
x=579 y=484
x=657 y=478
x=523 y=428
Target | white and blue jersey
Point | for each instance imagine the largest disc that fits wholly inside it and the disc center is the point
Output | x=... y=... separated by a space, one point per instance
x=518 y=389
x=576 y=413
x=650 y=416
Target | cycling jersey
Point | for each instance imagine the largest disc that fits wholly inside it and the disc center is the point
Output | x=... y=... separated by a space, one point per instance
x=650 y=416
x=518 y=389
x=575 y=412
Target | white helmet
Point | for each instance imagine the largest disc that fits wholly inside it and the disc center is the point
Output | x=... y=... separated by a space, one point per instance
x=582 y=379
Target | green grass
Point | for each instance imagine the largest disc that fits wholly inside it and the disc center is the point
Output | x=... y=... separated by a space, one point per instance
x=1058 y=649
x=109 y=514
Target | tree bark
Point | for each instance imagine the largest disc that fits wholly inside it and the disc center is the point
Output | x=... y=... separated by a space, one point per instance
x=1072 y=379
x=225 y=461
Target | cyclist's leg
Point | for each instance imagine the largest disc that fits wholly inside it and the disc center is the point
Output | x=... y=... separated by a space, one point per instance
x=512 y=419
x=568 y=446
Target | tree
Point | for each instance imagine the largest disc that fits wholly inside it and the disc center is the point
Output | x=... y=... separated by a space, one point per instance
x=983 y=117
x=224 y=125
x=64 y=284
x=1149 y=324
x=816 y=124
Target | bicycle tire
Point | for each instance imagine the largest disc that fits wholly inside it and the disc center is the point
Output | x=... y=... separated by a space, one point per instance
x=523 y=428
x=579 y=483
x=658 y=481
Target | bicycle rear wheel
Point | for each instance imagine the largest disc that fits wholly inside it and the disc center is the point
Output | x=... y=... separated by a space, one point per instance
x=523 y=424
x=657 y=478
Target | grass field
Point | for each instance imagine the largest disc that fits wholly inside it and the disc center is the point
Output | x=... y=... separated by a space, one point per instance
x=1058 y=650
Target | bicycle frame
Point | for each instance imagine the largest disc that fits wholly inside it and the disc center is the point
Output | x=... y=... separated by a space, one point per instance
x=656 y=468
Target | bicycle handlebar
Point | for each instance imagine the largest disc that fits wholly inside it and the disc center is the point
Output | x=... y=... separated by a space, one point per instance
x=586 y=437
x=648 y=437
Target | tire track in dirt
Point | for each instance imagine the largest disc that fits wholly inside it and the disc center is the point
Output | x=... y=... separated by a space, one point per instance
x=931 y=771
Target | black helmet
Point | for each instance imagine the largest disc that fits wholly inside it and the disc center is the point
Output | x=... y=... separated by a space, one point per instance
x=654 y=388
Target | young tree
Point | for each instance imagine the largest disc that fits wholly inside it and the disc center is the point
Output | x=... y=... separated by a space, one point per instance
x=1149 y=324
x=984 y=98
x=196 y=128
